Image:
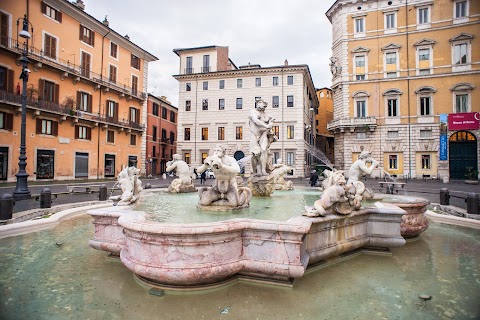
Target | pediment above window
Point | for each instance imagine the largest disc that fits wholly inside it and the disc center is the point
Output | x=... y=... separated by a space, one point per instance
x=361 y=94
x=462 y=37
x=462 y=87
x=425 y=42
x=392 y=92
x=425 y=89
x=360 y=50
x=391 y=46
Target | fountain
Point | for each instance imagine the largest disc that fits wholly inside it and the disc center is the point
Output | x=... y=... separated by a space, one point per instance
x=184 y=181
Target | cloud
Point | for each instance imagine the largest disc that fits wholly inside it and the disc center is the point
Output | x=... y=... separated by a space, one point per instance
x=262 y=32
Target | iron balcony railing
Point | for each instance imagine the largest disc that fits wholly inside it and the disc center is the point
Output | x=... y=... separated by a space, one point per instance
x=205 y=69
x=70 y=68
x=43 y=105
x=352 y=123
x=188 y=70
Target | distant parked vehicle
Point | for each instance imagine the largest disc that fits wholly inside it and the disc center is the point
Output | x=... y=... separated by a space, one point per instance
x=210 y=174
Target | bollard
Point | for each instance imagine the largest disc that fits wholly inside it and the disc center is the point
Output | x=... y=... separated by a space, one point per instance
x=444 y=196
x=46 y=198
x=473 y=203
x=6 y=206
x=103 y=193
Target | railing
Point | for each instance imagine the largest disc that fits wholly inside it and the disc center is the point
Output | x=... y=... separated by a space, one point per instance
x=188 y=70
x=352 y=122
x=33 y=103
x=205 y=69
x=71 y=68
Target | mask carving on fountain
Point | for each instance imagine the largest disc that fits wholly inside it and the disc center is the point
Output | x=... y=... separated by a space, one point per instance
x=279 y=171
x=225 y=194
x=131 y=186
x=184 y=181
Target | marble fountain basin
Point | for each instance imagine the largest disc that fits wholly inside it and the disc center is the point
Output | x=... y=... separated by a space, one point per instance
x=176 y=254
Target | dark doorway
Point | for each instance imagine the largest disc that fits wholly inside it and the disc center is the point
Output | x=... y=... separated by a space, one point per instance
x=132 y=161
x=3 y=163
x=81 y=165
x=462 y=154
x=45 y=164
x=109 y=165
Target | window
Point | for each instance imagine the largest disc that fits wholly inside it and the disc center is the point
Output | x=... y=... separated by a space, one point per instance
x=164 y=136
x=359 y=61
x=425 y=108
x=113 y=74
x=276 y=131
x=221 y=133
x=239 y=83
x=186 y=134
x=188 y=86
x=134 y=115
x=390 y=21
x=172 y=116
x=82 y=132
x=424 y=72
x=290 y=132
x=206 y=63
x=239 y=103
x=391 y=58
x=289 y=80
x=189 y=68
x=393 y=134
x=164 y=113
x=51 y=12
x=221 y=84
x=426 y=162
x=87 y=36
x=361 y=108
x=172 y=137
x=6 y=76
x=84 y=102
x=360 y=25
x=154 y=133
x=204 y=156
x=135 y=62
x=393 y=161
x=221 y=104
x=239 y=133
x=359 y=77
x=258 y=82
x=391 y=75
x=204 y=133
x=423 y=54
x=275 y=81
x=205 y=85
x=6 y=121
x=460 y=53
x=46 y=127
x=290 y=101
x=187 y=157
x=85 y=61
x=425 y=133
x=50 y=46
x=461 y=102
x=134 y=85
x=423 y=15
x=392 y=107
x=112 y=109
x=205 y=104
x=188 y=105
x=133 y=140
x=113 y=50
x=110 y=136
x=460 y=10
x=290 y=158
x=49 y=91
x=361 y=135
x=155 y=109
x=275 y=101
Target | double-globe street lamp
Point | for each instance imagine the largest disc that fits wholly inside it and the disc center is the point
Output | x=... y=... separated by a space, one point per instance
x=21 y=190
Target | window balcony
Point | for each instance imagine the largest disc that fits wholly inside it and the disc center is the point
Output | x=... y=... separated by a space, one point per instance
x=340 y=125
x=188 y=70
x=205 y=69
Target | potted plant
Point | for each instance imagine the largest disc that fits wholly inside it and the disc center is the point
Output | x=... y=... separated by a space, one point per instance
x=69 y=104
x=472 y=176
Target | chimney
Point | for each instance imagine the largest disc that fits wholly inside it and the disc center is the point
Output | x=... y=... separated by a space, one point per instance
x=105 y=21
x=286 y=62
x=80 y=4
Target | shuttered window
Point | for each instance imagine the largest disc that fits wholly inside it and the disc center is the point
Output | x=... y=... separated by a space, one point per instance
x=113 y=74
x=113 y=50
x=48 y=91
x=48 y=127
x=135 y=62
x=50 y=46
x=112 y=110
x=84 y=101
x=82 y=132
x=6 y=79
x=6 y=121
x=87 y=36
x=134 y=85
x=51 y=12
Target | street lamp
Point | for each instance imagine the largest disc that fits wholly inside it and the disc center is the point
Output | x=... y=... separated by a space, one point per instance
x=21 y=190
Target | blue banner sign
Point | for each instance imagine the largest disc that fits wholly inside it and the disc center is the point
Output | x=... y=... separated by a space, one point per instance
x=443 y=147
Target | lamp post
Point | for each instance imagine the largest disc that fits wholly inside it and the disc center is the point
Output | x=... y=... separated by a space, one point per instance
x=21 y=190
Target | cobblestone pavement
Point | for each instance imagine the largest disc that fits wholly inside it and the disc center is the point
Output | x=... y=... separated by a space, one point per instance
x=429 y=189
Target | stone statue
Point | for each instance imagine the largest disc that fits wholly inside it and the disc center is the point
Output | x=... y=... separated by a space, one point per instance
x=261 y=138
x=184 y=181
x=279 y=171
x=356 y=189
x=225 y=191
x=131 y=186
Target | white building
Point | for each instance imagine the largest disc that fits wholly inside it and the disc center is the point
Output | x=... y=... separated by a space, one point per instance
x=215 y=99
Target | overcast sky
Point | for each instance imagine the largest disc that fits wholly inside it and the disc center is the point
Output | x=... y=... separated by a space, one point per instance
x=264 y=32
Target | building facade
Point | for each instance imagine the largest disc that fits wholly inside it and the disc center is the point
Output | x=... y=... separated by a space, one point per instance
x=325 y=139
x=400 y=70
x=216 y=97
x=86 y=101
x=161 y=134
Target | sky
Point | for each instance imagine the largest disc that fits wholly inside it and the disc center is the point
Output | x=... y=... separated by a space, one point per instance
x=264 y=32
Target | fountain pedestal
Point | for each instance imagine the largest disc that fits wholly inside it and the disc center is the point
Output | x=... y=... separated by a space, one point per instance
x=261 y=186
